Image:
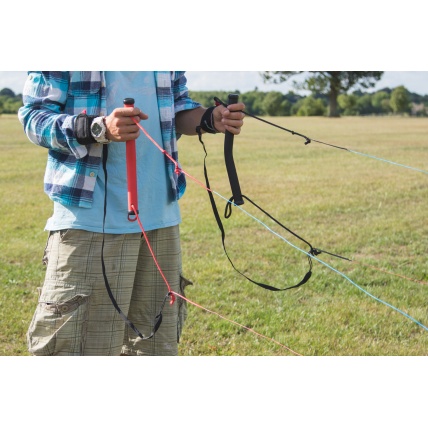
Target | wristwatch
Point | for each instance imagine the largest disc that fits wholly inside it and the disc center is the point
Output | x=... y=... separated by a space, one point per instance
x=98 y=130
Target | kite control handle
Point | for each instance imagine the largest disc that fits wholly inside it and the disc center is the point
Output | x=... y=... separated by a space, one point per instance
x=228 y=157
x=131 y=171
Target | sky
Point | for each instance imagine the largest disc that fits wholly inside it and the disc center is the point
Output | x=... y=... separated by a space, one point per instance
x=244 y=81
x=216 y=44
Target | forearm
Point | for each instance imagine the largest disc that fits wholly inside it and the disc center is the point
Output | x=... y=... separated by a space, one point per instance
x=222 y=119
x=186 y=121
x=45 y=128
x=42 y=115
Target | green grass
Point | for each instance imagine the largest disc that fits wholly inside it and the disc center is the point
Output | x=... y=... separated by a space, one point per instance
x=360 y=208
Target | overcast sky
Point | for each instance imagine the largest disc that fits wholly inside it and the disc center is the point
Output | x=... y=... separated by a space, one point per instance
x=244 y=81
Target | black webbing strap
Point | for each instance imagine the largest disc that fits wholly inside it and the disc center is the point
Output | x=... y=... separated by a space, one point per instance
x=158 y=318
x=228 y=212
x=228 y=159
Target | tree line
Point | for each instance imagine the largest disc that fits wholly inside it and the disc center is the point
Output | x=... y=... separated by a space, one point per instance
x=330 y=96
x=358 y=103
x=9 y=101
x=274 y=103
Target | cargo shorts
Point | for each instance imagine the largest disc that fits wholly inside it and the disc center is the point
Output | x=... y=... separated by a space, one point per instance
x=74 y=314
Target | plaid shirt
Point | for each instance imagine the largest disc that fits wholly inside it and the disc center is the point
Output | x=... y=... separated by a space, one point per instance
x=53 y=99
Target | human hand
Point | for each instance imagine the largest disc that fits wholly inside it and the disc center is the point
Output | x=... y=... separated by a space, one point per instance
x=121 y=126
x=230 y=118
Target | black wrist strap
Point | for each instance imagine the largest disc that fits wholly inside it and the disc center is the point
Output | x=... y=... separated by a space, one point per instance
x=82 y=129
x=207 y=122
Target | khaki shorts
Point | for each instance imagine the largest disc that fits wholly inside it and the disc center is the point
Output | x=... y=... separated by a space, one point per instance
x=75 y=315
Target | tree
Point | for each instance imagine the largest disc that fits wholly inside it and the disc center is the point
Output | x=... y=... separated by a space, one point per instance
x=253 y=101
x=348 y=103
x=9 y=102
x=380 y=101
x=310 y=106
x=206 y=98
x=275 y=104
x=7 y=92
x=331 y=83
x=364 y=104
x=400 y=101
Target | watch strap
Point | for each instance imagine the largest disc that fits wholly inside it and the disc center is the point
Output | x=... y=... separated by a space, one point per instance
x=82 y=129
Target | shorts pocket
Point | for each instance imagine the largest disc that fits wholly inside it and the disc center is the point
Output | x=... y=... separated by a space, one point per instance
x=59 y=323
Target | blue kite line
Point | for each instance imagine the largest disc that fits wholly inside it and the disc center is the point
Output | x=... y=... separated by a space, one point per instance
x=327 y=265
x=309 y=140
x=388 y=161
x=369 y=156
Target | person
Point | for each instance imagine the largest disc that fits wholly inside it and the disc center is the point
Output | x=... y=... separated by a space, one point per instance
x=92 y=245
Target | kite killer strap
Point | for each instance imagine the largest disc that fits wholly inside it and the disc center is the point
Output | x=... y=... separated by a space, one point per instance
x=238 y=199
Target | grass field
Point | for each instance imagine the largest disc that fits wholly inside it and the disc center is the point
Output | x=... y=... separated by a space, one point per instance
x=369 y=211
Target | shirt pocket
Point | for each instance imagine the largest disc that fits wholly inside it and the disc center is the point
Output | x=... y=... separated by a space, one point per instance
x=83 y=83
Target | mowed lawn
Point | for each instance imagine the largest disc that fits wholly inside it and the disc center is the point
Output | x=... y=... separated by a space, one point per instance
x=369 y=211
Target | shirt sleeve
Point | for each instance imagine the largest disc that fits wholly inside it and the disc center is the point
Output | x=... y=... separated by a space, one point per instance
x=182 y=101
x=44 y=98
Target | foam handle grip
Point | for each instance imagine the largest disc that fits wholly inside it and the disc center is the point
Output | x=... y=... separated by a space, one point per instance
x=131 y=170
x=228 y=157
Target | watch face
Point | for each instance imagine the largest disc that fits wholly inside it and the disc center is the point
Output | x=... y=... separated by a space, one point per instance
x=96 y=129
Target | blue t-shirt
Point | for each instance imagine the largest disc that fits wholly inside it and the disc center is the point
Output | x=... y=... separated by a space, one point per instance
x=157 y=207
